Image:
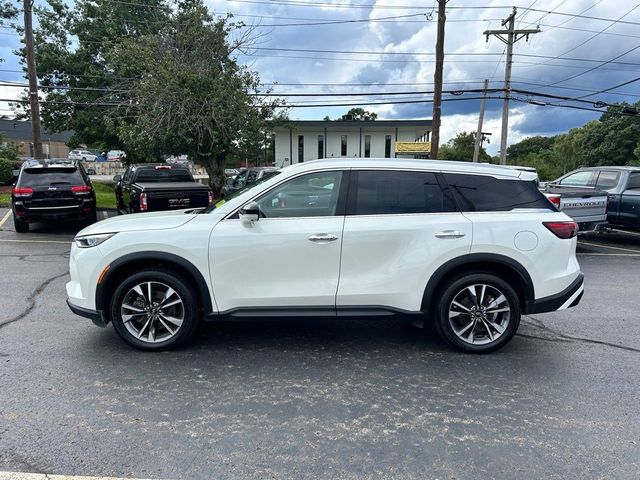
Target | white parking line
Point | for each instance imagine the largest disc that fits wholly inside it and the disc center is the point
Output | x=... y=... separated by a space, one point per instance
x=40 y=476
x=5 y=218
x=607 y=246
x=626 y=232
x=104 y=215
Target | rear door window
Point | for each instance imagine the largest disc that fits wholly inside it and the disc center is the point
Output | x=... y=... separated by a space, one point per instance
x=607 y=179
x=43 y=177
x=395 y=192
x=482 y=193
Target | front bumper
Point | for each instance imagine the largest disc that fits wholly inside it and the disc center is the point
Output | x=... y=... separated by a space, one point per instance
x=97 y=317
x=569 y=297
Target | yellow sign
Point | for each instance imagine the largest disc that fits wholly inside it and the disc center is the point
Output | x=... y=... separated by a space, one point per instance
x=413 y=147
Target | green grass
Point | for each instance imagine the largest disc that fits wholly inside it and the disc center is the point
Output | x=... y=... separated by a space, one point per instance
x=105 y=195
x=5 y=199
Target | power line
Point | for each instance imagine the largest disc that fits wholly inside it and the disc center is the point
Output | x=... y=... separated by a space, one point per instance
x=596 y=67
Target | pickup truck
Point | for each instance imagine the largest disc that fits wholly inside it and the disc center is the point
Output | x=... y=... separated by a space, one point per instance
x=150 y=187
x=622 y=185
x=582 y=196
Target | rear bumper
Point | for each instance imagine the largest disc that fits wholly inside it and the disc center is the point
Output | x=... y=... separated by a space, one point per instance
x=97 y=317
x=569 y=297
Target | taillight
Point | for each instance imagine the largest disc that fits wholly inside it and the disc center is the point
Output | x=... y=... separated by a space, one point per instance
x=163 y=167
x=562 y=229
x=210 y=198
x=143 y=202
x=555 y=199
x=22 y=192
x=81 y=189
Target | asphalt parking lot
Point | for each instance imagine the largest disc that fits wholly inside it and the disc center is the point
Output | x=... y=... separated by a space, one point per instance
x=318 y=399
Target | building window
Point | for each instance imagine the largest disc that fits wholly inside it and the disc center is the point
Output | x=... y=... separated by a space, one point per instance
x=343 y=145
x=367 y=146
x=320 y=146
x=300 y=148
x=387 y=146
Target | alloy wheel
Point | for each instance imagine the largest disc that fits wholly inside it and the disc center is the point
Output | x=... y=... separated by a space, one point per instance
x=152 y=312
x=479 y=314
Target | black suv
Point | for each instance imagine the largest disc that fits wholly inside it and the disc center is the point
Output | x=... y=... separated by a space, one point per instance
x=52 y=190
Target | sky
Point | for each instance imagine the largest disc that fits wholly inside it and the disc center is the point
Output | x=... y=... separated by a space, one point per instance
x=387 y=46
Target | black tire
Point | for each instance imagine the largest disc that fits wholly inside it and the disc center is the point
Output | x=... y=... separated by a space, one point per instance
x=20 y=226
x=508 y=321
x=93 y=217
x=189 y=309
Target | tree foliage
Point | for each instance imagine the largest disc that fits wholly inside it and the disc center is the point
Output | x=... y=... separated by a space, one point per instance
x=614 y=139
x=461 y=147
x=193 y=97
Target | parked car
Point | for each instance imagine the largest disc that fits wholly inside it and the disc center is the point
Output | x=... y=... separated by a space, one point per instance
x=469 y=247
x=585 y=203
x=247 y=177
x=150 y=187
x=47 y=190
x=82 y=155
x=116 y=156
x=231 y=172
x=621 y=184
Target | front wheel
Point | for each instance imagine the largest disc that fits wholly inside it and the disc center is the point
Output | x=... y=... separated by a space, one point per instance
x=478 y=313
x=154 y=310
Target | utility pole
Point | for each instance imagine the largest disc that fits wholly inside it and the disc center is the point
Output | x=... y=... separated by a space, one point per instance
x=33 y=81
x=437 y=80
x=512 y=36
x=483 y=102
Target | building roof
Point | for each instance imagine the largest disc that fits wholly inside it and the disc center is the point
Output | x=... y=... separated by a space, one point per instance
x=356 y=123
x=417 y=164
x=12 y=129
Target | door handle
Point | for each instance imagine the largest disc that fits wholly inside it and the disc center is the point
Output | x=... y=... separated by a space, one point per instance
x=450 y=234
x=323 y=237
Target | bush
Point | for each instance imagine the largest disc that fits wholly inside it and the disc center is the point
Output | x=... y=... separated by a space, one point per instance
x=6 y=169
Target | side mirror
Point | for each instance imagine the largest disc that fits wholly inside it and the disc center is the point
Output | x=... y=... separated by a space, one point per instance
x=15 y=173
x=249 y=213
x=117 y=178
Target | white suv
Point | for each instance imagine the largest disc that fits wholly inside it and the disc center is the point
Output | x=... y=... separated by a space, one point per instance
x=470 y=247
x=82 y=156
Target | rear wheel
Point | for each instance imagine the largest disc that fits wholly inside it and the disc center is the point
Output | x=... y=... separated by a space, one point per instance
x=154 y=310
x=478 y=313
x=20 y=226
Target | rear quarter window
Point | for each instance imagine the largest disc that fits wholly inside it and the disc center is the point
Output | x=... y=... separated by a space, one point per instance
x=480 y=193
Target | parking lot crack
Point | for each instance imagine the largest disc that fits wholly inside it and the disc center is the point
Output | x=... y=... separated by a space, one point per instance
x=563 y=338
x=31 y=300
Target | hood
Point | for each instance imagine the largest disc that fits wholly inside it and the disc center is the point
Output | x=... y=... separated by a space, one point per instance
x=140 y=222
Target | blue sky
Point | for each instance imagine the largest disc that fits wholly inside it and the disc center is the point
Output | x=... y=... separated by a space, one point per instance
x=578 y=44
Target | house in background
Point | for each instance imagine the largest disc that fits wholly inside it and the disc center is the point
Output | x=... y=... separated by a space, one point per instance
x=54 y=145
x=302 y=140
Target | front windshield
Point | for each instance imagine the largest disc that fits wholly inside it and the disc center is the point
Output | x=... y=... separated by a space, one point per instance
x=239 y=192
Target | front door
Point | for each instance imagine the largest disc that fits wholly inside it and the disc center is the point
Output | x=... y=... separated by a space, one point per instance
x=290 y=257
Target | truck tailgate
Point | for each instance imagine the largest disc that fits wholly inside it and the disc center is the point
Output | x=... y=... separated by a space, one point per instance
x=583 y=206
x=174 y=196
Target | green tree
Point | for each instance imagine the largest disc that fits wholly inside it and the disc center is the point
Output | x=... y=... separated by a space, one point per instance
x=529 y=145
x=80 y=67
x=359 y=114
x=461 y=147
x=8 y=151
x=192 y=96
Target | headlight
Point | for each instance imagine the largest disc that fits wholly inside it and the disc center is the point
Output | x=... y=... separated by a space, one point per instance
x=87 y=241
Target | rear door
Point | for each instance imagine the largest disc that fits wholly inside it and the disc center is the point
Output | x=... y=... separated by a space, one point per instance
x=400 y=227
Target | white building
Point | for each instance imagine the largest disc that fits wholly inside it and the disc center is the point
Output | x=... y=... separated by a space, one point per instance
x=302 y=140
